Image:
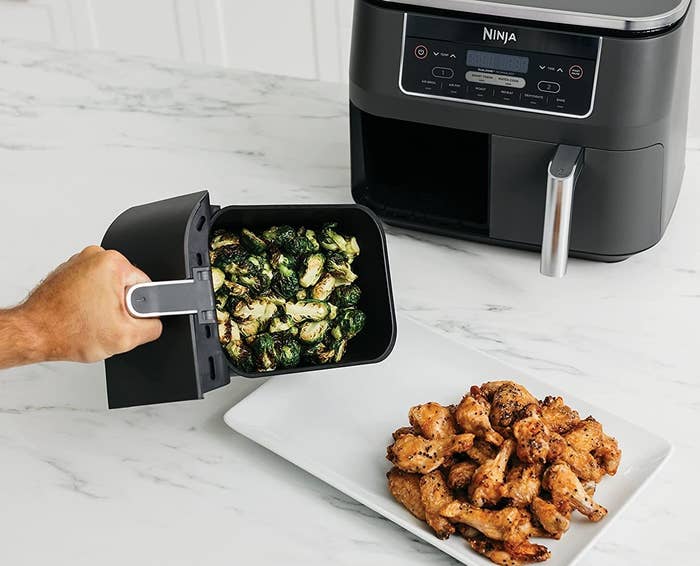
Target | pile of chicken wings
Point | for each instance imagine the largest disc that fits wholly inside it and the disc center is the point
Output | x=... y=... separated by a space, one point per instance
x=499 y=468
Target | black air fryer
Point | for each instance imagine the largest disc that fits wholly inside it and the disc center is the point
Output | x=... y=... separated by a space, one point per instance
x=552 y=125
x=169 y=240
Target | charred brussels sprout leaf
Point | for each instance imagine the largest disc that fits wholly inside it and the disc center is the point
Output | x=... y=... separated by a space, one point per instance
x=263 y=347
x=288 y=352
x=252 y=242
x=229 y=258
x=307 y=310
x=259 y=310
x=241 y=356
x=319 y=354
x=346 y=296
x=312 y=270
x=339 y=266
x=223 y=238
x=349 y=324
x=310 y=235
x=281 y=324
x=313 y=332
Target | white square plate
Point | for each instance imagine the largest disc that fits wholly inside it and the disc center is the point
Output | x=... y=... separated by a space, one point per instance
x=336 y=425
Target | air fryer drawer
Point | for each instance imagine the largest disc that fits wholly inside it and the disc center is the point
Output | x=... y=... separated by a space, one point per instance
x=617 y=204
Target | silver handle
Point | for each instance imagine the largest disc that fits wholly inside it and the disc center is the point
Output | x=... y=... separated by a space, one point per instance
x=174 y=298
x=562 y=175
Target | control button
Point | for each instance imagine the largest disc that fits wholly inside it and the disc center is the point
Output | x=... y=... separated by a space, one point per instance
x=421 y=52
x=576 y=72
x=548 y=86
x=455 y=89
x=429 y=85
x=534 y=100
x=497 y=80
x=507 y=95
x=481 y=92
x=443 y=73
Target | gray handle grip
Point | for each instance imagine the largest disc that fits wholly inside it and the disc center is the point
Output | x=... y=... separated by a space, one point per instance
x=562 y=176
x=174 y=298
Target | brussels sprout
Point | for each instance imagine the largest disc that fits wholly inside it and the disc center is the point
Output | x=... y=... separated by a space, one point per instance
x=223 y=238
x=264 y=351
x=340 y=348
x=241 y=356
x=352 y=249
x=338 y=265
x=307 y=310
x=281 y=324
x=270 y=235
x=302 y=294
x=249 y=328
x=313 y=332
x=285 y=281
x=323 y=289
x=346 y=296
x=318 y=354
x=310 y=235
x=312 y=270
x=217 y=278
x=230 y=258
x=259 y=310
x=288 y=352
x=272 y=297
x=224 y=320
x=222 y=298
x=252 y=242
x=236 y=292
x=255 y=273
x=330 y=239
x=281 y=236
x=334 y=311
x=349 y=324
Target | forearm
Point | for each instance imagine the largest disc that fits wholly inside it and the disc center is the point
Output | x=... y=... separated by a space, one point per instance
x=21 y=342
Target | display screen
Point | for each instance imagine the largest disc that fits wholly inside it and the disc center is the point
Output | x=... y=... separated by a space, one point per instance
x=498 y=61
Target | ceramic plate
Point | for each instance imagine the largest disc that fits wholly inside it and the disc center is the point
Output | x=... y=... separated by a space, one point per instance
x=350 y=413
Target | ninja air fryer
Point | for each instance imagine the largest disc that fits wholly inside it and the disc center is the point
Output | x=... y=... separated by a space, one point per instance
x=552 y=125
x=169 y=240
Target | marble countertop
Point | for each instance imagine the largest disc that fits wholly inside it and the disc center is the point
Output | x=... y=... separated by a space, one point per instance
x=85 y=136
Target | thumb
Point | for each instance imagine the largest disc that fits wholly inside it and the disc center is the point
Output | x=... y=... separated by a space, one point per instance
x=135 y=276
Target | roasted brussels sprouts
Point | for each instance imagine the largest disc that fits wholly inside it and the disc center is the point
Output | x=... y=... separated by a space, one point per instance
x=346 y=296
x=241 y=356
x=285 y=296
x=263 y=347
x=217 y=278
x=313 y=332
x=307 y=310
x=323 y=289
x=312 y=270
x=252 y=242
x=288 y=352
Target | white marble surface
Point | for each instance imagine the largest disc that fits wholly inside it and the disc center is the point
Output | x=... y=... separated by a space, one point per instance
x=82 y=137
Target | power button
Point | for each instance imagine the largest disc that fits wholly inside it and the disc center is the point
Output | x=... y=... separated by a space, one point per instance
x=421 y=51
x=576 y=72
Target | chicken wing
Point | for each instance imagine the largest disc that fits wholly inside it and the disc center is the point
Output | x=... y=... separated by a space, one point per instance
x=460 y=474
x=405 y=488
x=506 y=524
x=432 y=420
x=507 y=401
x=557 y=415
x=608 y=454
x=481 y=451
x=583 y=464
x=472 y=415
x=532 y=435
x=487 y=483
x=403 y=431
x=435 y=495
x=522 y=484
x=568 y=493
x=586 y=436
x=551 y=519
x=418 y=455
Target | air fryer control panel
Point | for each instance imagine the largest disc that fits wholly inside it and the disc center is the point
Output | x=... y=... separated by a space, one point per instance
x=494 y=65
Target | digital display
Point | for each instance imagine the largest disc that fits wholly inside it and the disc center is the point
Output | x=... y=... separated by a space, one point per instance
x=498 y=61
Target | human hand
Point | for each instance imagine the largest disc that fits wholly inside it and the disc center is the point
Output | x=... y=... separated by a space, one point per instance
x=78 y=312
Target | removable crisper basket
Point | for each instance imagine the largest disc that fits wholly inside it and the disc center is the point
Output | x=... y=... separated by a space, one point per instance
x=376 y=341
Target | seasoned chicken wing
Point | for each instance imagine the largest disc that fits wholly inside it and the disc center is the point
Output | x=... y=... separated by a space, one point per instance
x=558 y=417
x=405 y=488
x=403 y=431
x=586 y=436
x=435 y=495
x=508 y=400
x=472 y=415
x=460 y=474
x=432 y=420
x=509 y=524
x=522 y=484
x=481 y=451
x=487 y=483
x=568 y=493
x=551 y=519
x=508 y=554
x=532 y=435
x=419 y=455
x=582 y=463
x=608 y=454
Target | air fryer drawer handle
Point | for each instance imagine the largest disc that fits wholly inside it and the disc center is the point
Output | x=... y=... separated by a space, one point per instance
x=562 y=175
x=174 y=298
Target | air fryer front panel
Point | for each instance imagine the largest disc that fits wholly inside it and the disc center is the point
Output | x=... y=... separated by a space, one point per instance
x=501 y=66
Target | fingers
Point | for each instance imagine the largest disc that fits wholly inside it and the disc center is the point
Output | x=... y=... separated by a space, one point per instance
x=147 y=330
x=135 y=276
x=90 y=251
